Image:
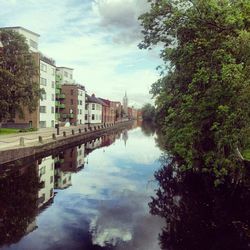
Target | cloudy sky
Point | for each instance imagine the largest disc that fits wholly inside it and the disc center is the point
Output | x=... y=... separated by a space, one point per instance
x=98 y=38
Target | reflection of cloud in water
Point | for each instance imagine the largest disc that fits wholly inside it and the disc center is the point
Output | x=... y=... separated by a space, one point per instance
x=107 y=236
x=125 y=222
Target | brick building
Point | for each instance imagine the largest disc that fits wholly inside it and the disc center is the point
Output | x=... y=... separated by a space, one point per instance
x=73 y=105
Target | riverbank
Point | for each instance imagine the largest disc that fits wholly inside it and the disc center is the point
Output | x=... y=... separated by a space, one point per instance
x=42 y=145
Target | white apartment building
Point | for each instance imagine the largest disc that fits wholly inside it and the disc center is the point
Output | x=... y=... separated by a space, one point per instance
x=32 y=38
x=81 y=106
x=93 y=110
x=47 y=84
x=46 y=175
x=66 y=74
x=63 y=179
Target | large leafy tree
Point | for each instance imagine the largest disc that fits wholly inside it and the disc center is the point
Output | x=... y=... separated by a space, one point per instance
x=203 y=97
x=148 y=112
x=19 y=87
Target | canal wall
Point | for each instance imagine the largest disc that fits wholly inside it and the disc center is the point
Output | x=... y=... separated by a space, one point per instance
x=55 y=144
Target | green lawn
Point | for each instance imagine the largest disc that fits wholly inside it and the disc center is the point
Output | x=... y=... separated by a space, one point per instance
x=246 y=154
x=6 y=131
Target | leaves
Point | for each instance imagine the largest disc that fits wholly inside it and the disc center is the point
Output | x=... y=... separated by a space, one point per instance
x=19 y=86
x=203 y=100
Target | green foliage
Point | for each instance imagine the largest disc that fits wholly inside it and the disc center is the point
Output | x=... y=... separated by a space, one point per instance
x=203 y=99
x=18 y=88
x=148 y=112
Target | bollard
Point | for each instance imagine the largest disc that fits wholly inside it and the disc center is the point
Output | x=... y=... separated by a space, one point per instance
x=54 y=136
x=40 y=139
x=64 y=133
x=21 y=141
x=73 y=132
x=80 y=131
x=85 y=129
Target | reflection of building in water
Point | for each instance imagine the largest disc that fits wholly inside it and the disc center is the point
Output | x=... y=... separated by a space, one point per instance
x=46 y=178
x=108 y=139
x=62 y=179
x=92 y=145
x=125 y=136
x=72 y=159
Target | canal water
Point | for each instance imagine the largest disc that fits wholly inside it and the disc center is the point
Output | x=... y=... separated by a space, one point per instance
x=92 y=196
x=121 y=191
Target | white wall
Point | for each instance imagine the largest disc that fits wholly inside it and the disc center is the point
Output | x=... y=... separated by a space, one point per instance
x=80 y=155
x=46 y=175
x=47 y=72
x=81 y=107
x=31 y=38
x=66 y=74
x=97 y=113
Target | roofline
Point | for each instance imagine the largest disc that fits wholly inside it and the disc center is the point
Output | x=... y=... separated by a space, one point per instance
x=20 y=27
x=65 y=68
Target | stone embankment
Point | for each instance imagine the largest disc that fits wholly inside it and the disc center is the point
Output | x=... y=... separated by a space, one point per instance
x=44 y=146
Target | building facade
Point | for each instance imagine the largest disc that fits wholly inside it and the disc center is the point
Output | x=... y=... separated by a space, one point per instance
x=48 y=85
x=73 y=110
x=93 y=110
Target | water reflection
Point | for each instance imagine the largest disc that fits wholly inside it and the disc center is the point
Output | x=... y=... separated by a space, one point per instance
x=92 y=196
x=199 y=215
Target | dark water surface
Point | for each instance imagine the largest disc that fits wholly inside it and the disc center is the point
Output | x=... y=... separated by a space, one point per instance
x=94 y=196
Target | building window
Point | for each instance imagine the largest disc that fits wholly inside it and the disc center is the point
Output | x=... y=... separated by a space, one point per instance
x=51 y=179
x=86 y=106
x=43 y=67
x=42 y=109
x=33 y=44
x=80 y=111
x=93 y=117
x=93 y=106
x=42 y=124
x=72 y=92
x=53 y=97
x=53 y=84
x=52 y=110
x=80 y=102
x=52 y=124
x=71 y=101
x=86 y=117
x=43 y=81
x=70 y=76
x=65 y=73
x=43 y=97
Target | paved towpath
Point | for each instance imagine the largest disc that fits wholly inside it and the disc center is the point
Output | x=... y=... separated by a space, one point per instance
x=31 y=138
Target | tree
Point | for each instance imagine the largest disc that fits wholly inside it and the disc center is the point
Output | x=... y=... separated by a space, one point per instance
x=203 y=97
x=18 y=85
x=148 y=112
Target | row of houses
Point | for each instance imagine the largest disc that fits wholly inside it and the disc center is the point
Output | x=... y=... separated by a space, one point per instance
x=63 y=100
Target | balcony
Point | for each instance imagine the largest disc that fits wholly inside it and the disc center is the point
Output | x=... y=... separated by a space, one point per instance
x=57 y=91
x=57 y=103
x=62 y=106
x=71 y=115
x=61 y=96
x=58 y=86
x=64 y=116
x=58 y=116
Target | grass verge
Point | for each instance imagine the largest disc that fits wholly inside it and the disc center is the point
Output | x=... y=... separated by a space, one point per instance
x=6 y=131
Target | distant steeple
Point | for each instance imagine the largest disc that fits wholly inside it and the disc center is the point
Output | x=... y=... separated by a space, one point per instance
x=125 y=103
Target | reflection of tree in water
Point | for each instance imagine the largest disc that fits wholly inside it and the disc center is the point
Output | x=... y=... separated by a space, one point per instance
x=148 y=128
x=198 y=214
x=18 y=203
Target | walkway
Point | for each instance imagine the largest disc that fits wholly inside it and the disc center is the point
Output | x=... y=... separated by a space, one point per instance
x=31 y=138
